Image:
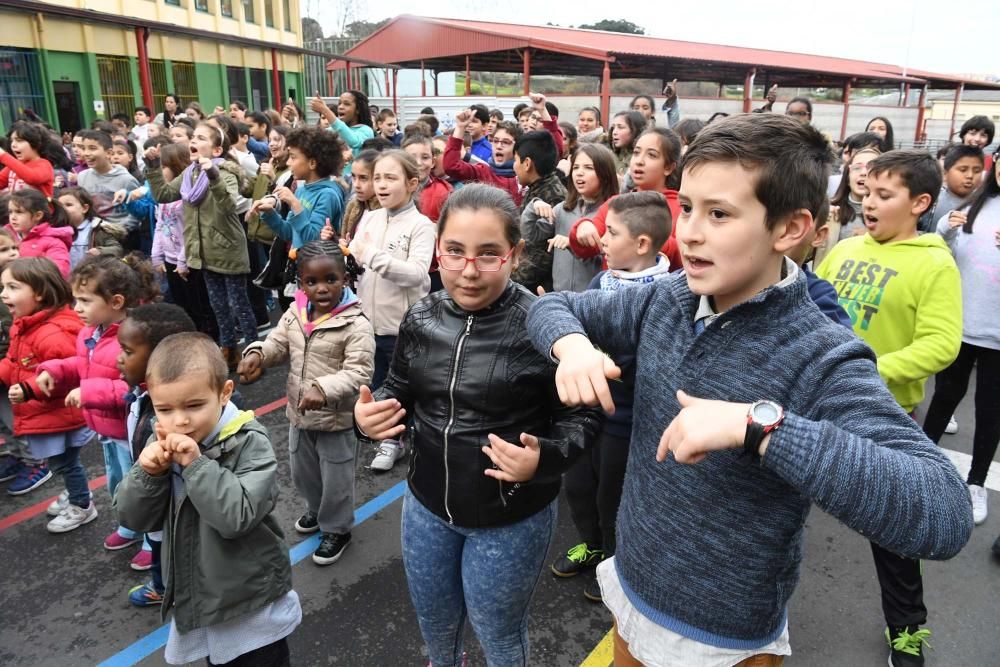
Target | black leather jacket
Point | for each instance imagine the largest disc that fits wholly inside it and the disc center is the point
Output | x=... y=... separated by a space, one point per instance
x=464 y=375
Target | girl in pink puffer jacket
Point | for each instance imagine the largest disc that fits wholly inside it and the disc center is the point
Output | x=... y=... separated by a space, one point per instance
x=104 y=287
x=41 y=227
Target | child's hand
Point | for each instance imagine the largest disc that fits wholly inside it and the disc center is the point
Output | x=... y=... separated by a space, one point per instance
x=182 y=449
x=328 y=233
x=137 y=194
x=152 y=153
x=670 y=91
x=462 y=119
x=266 y=203
x=249 y=369
x=583 y=373
x=537 y=100
x=154 y=459
x=94 y=252
x=119 y=197
x=703 y=426
x=313 y=399
x=559 y=242
x=46 y=383
x=15 y=394
x=586 y=235
x=73 y=398
x=515 y=464
x=183 y=272
x=544 y=210
x=266 y=168
x=772 y=94
x=160 y=268
x=378 y=419
x=957 y=219
x=217 y=110
x=205 y=163
x=285 y=195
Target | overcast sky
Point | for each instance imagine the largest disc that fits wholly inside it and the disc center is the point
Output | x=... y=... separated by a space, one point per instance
x=915 y=33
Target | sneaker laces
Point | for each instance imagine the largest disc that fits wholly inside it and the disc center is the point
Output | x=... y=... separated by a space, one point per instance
x=579 y=553
x=911 y=643
x=387 y=449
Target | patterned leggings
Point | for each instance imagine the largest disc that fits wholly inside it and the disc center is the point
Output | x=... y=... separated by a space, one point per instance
x=229 y=299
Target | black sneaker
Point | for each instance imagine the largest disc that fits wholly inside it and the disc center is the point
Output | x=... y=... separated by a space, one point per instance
x=331 y=548
x=592 y=591
x=906 y=645
x=576 y=560
x=307 y=523
x=996 y=548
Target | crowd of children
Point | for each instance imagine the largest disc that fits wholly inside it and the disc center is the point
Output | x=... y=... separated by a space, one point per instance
x=656 y=316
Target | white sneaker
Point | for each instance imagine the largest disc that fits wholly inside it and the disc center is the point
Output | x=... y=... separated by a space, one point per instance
x=72 y=518
x=59 y=504
x=979 y=503
x=389 y=452
x=952 y=427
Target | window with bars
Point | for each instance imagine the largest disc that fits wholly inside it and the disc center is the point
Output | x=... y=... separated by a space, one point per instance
x=201 y=5
x=115 y=74
x=237 y=84
x=259 y=98
x=175 y=3
x=20 y=84
x=248 y=14
x=226 y=7
x=158 y=78
x=286 y=8
x=269 y=13
x=185 y=81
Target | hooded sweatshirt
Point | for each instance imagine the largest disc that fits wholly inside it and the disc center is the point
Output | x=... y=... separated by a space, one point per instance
x=321 y=201
x=978 y=259
x=102 y=187
x=904 y=299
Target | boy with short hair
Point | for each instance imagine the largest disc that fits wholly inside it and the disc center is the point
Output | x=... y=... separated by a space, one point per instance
x=535 y=162
x=746 y=411
x=102 y=179
x=241 y=151
x=208 y=480
x=963 y=172
x=387 y=127
x=259 y=126
x=495 y=117
x=638 y=225
x=477 y=126
x=902 y=291
x=140 y=131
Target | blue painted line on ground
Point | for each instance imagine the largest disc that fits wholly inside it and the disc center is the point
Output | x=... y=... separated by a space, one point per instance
x=157 y=639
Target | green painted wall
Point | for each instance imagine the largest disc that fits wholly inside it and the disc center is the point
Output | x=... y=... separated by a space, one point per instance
x=80 y=68
x=211 y=86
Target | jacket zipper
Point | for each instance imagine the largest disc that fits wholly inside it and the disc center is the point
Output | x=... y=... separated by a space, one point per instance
x=451 y=413
x=305 y=358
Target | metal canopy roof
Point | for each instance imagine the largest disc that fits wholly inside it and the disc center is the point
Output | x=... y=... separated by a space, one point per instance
x=443 y=44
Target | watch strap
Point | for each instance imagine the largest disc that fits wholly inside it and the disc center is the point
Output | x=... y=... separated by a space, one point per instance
x=754 y=436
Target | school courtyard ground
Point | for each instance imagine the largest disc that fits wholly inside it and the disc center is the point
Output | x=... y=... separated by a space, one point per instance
x=64 y=597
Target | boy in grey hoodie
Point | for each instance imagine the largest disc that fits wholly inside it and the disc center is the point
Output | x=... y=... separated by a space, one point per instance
x=103 y=179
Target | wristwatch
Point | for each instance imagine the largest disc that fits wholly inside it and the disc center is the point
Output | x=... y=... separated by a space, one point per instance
x=763 y=417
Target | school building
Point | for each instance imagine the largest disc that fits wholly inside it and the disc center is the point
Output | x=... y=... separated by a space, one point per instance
x=72 y=61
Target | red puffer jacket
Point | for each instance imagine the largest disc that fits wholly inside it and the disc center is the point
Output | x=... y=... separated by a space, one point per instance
x=36 y=338
x=102 y=389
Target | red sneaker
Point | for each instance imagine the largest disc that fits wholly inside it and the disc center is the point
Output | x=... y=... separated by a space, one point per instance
x=142 y=560
x=115 y=542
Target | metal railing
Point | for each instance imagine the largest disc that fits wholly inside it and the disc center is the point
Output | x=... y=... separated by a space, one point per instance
x=116 y=85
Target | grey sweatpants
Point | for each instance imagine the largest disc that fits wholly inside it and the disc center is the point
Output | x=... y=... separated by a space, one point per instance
x=17 y=446
x=323 y=473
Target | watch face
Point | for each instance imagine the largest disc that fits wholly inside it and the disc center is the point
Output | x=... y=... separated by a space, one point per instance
x=765 y=414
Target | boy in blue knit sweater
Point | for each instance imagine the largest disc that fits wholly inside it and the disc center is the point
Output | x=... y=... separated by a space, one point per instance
x=746 y=411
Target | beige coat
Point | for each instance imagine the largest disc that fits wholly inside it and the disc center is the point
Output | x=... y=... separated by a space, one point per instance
x=397 y=252
x=337 y=357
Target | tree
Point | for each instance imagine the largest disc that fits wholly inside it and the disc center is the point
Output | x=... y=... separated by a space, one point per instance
x=362 y=29
x=311 y=29
x=615 y=25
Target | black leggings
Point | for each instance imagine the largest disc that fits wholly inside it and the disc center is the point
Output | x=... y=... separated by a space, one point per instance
x=270 y=655
x=949 y=390
x=594 y=491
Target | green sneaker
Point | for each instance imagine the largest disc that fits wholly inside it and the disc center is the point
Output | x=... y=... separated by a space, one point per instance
x=906 y=645
x=576 y=560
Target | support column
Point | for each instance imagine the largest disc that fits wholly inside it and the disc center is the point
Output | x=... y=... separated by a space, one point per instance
x=468 y=78
x=846 y=98
x=917 y=135
x=434 y=75
x=905 y=101
x=347 y=78
x=606 y=93
x=748 y=90
x=145 y=82
x=526 y=57
x=954 y=109
x=387 y=86
x=423 y=80
x=276 y=80
x=329 y=83
x=395 y=90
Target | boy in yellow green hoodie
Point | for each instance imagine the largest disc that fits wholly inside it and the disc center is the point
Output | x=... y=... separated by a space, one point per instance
x=902 y=292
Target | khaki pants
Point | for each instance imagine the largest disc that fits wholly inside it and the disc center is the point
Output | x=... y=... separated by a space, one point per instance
x=624 y=659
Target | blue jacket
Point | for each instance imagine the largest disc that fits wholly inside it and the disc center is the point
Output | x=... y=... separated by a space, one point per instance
x=712 y=550
x=259 y=149
x=482 y=148
x=144 y=210
x=824 y=295
x=321 y=201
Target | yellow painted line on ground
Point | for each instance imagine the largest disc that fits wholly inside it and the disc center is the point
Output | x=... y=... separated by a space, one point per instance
x=603 y=654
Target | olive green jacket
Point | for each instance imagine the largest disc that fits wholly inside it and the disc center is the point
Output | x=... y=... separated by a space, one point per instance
x=213 y=236
x=224 y=554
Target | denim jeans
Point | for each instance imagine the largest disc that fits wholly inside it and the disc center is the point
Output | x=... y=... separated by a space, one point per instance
x=74 y=475
x=384 y=347
x=117 y=462
x=487 y=574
